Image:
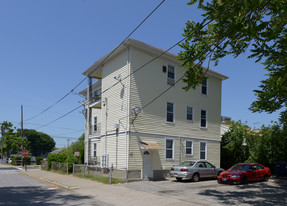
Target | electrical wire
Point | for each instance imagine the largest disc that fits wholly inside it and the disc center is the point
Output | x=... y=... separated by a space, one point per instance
x=101 y=63
x=164 y=52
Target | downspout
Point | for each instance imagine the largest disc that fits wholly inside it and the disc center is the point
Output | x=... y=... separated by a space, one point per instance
x=127 y=112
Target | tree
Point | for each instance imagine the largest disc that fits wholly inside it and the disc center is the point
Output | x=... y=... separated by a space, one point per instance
x=79 y=146
x=12 y=141
x=232 y=27
x=270 y=146
x=38 y=143
x=235 y=144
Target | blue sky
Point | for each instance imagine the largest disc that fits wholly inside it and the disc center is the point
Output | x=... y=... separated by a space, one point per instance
x=46 y=45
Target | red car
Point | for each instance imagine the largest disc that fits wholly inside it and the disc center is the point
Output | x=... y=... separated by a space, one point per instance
x=242 y=173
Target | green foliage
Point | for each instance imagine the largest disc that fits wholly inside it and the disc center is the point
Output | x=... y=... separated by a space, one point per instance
x=79 y=146
x=38 y=143
x=27 y=160
x=231 y=28
x=235 y=144
x=12 y=141
x=241 y=144
x=39 y=160
x=64 y=156
x=16 y=160
x=270 y=146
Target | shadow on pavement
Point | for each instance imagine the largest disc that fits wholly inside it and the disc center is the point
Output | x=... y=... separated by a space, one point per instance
x=253 y=194
x=37 y=196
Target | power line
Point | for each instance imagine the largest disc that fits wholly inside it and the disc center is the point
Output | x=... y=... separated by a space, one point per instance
x=164 y=52
x=101 y=62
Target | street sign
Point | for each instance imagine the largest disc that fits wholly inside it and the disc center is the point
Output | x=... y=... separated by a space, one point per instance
x=25 y=153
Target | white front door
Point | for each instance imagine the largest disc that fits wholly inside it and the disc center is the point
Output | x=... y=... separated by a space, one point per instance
x=147 y=164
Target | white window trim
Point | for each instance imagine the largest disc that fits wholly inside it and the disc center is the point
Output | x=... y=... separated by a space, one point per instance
x=205 y=158
x=172 y=65
x=206 y=88
x=206 y=119
x=172 y=148
x=192 y=114
x=192 y=143
x=173 y=122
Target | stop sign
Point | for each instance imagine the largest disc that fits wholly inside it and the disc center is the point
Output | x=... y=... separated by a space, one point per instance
x=25 y=153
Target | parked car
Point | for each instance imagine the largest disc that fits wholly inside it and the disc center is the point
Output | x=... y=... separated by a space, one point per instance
x=195 y=170
x=8 y=160
x=242 y=173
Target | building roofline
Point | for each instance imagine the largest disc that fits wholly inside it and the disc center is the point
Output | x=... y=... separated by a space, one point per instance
x=146 y=47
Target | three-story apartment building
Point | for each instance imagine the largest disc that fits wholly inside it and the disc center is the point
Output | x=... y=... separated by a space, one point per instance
x=138 y=117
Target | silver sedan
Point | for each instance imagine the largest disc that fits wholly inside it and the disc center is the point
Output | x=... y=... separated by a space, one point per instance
x=195 y=170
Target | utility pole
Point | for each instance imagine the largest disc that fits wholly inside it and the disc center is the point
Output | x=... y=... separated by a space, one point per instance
x=68 y=142
x=22 y=134
x=2 y=142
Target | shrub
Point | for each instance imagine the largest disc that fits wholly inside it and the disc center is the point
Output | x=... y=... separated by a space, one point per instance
x=39 y=160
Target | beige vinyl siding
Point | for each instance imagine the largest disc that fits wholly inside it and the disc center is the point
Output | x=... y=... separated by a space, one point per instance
x=115 y=147
x=150 y=81
x=115 y=106
x=114 y=110
x=159 y=162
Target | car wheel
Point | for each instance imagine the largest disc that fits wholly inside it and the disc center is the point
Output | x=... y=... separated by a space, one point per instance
x=178 y=179
x=195 y=177
x=266 y=178
x=244 y=180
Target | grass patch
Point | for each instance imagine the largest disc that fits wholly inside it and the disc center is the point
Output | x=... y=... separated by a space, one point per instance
x=105 y=180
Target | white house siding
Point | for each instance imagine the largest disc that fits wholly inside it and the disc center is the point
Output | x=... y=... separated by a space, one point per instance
x=114 y=110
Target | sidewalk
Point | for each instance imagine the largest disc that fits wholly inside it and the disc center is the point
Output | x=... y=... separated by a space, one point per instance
x=108 y=194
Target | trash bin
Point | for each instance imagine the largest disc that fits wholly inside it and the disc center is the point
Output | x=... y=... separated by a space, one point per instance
x=281 y=169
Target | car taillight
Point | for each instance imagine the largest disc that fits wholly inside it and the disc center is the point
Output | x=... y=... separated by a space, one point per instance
x=184 y=170
x=172 y=169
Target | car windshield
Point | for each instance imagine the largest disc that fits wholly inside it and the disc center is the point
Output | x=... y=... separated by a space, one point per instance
x=187 y=163
x=243 y=167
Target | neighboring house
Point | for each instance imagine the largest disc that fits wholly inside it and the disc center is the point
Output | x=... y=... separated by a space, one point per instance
x=127 y=129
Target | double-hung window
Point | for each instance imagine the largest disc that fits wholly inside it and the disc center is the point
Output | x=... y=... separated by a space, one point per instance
x=95 y=124
x=95 y=149
x=170 y=75
x=189 y=113
x=169 y=148
x=204 y=87
x=188 y=147
x=203 y=149
x=203 y=118
x=170 y=112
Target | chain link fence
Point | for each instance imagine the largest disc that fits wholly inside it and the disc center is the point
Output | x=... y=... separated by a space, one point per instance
x=95 y=172
x=61 y=167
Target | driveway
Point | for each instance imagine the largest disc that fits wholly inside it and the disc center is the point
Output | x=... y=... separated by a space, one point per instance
x=209 y=192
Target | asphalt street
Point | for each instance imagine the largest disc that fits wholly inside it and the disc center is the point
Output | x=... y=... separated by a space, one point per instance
x=18 y=189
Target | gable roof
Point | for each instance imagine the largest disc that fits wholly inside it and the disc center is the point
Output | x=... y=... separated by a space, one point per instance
x=97 y=66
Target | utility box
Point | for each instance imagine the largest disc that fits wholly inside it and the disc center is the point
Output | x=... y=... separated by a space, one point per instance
x=281 y=169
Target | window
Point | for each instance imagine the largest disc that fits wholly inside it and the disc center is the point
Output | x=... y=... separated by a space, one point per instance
x=95 y=150
x=203 y=118
x=170 y=112
x=95 y=124
x=208 y=165
x=169 y=149
x=170 y=75
x=97 y=94
x=189 y=148
x=204 y=87
x=189 y=113
x=202 y=150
